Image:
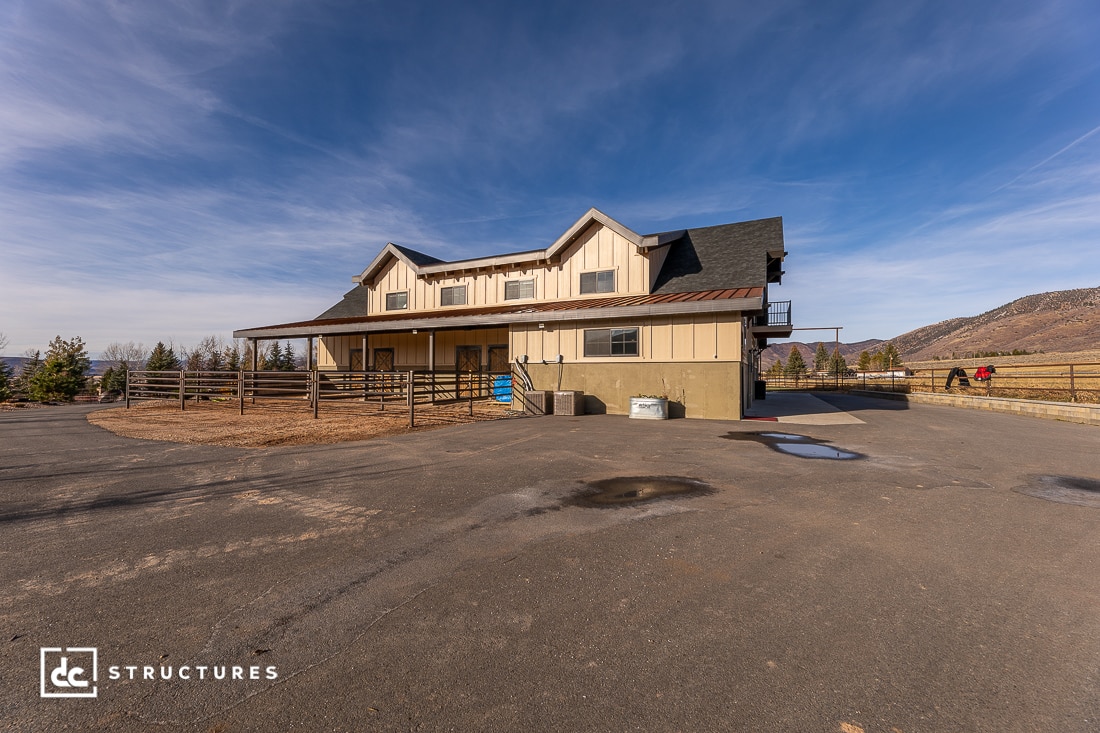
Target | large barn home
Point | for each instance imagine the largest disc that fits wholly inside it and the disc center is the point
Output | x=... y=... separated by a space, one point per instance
x=602 y=310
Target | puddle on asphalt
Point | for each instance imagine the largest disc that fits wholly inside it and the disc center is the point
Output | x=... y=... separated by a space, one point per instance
x=796 y=445
x=638 y=489
x=1063 y=489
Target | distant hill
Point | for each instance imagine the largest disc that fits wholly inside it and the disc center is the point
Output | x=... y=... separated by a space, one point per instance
x=1063 y=321
x=16 y=362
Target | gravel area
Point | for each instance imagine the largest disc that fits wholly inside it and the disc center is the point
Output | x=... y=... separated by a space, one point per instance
x=280 y=423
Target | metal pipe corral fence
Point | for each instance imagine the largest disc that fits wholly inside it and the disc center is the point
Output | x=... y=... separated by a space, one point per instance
x=406 y=389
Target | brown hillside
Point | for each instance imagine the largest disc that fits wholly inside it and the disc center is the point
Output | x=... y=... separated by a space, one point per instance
x=1063 y=321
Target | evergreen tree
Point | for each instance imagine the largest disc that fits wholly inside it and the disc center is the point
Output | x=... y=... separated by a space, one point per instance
x=215 y=361
x=114 y=379
x=775 y=370
x=6 y=373
x=837 y=364
x=864 y=364
x=288 y=364
x=877 y=361
x=232 y=356
x=796 y=365
x=63 y=374
x=7 y=381
x=163 y=359
x=32 y=362
x=821 y=357
x=891 y=359
x=274 y=357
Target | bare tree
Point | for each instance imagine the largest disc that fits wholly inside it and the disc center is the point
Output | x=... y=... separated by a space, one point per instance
x=208 y=355
x=131 y=354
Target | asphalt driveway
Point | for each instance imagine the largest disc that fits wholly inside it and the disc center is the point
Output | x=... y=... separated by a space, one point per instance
x=937 y=570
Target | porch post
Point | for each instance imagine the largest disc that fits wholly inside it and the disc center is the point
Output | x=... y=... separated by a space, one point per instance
x=365 y=354
x=309 y=353
x=255 y=356
x=431 y=362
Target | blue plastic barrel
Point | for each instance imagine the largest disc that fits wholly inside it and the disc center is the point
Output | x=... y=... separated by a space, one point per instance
x=502 y=388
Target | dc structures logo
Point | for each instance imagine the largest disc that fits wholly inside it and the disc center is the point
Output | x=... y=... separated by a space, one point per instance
x=69 y=671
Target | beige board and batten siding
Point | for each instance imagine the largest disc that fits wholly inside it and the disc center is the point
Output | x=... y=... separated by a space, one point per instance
x=410 y=350
x=598 y=248
x=697 y=337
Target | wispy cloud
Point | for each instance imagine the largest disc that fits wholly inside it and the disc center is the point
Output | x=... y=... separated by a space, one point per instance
x=242 y=160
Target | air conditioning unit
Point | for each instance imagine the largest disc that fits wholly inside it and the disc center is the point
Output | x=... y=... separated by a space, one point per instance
x=538 y=402
x=568 y=402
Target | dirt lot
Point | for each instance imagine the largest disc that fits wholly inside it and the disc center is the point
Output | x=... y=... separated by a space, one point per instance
x=279 y=423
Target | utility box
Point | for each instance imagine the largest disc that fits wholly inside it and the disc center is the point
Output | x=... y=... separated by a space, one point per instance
x=760 y=389
x=568 y=402
x=538 y=402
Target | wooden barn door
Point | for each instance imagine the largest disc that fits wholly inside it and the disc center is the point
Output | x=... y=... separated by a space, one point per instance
x=468 y=369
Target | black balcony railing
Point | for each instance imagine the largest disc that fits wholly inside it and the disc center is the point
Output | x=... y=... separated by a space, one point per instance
x=779 y=314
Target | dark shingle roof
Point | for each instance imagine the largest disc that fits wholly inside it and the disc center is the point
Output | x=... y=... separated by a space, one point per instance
x=354 y=304
x=724 y=256
x=417 y=258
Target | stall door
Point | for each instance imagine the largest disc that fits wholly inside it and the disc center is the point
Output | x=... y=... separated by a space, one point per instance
x=383 y=362
x=468 y=370
x=498 y=360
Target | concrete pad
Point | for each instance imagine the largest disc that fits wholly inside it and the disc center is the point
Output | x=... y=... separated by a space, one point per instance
x=451 y=580
x=799 y=408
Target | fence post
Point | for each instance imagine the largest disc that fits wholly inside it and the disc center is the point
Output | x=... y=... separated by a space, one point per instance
x=183 y=390
x=412 y=400
x=1072 y=386
x=315 y=391
x=933 y=378
x=128 y=373
x=240 y=388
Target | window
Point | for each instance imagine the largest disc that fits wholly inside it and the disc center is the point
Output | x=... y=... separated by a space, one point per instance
x=519 y=289
x=397 y=301
x=611 y=342
x=454 y=295
x=598 y=282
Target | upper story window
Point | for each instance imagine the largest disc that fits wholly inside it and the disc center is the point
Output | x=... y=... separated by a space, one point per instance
x=454 y=295
x=602 y=281
x=519 y=289
x=397 y=301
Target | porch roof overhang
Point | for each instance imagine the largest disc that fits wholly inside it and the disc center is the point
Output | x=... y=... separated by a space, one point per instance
x=747 y=300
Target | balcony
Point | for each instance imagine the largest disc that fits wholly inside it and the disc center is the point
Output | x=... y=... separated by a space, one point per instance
x=775 y=323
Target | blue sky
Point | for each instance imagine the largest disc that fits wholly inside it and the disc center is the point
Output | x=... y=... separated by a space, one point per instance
x=173 y=170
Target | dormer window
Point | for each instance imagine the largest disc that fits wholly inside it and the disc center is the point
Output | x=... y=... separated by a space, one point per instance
x=602 y=281
x=397 y=301
x=519 y=289
x=454 y=295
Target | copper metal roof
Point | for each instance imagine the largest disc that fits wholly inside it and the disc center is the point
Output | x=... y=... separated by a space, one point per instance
x=516 y=311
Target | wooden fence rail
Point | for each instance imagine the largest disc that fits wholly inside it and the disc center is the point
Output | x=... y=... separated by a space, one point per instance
x=1061 y=382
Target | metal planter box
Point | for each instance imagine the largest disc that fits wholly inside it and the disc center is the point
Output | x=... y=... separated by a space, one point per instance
x=648 y=408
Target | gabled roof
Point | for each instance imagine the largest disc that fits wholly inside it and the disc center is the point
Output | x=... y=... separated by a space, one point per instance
x=423 y=264
x=728 y=255
x=415 y=260
x=353 y=304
